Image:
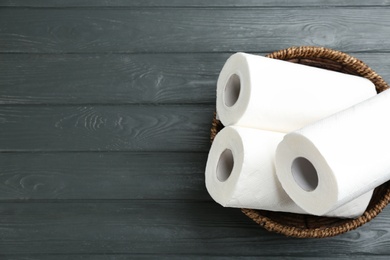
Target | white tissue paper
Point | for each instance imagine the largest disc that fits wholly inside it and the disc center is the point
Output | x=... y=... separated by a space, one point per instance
x=325 y=165
x=240 y=173
x=275 y=95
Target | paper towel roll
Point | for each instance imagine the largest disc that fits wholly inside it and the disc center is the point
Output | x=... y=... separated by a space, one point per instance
x=275 y=95
x=240 y=173
x=328 y=163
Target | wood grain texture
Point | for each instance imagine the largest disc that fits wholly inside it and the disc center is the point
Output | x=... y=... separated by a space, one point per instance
x=163 y=227
x=114 y=79
x=122 y=78
x=121 y=256
x=189 y=30
x=105 y=128
x=190 y=3
x=119 y=175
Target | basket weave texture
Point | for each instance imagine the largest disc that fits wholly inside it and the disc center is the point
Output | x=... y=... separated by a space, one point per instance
x=308 y=226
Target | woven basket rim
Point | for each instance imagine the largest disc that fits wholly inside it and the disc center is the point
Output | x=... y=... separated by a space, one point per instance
x=354 y=66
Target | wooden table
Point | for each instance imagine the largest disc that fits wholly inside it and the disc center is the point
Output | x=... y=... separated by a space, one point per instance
x=105 y=110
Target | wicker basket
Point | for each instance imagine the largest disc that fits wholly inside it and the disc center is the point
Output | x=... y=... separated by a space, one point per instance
x=307 y=226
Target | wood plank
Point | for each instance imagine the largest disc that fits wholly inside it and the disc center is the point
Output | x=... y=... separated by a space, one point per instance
x=25 y=176
x=115 y=78
x=122 y=78
x=189 y=3
x=115 y=256
x=160 y=227
x=191 y=30
x=105 y=128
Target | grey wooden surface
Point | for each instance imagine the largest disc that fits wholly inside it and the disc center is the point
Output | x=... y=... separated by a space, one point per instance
x=105 y=110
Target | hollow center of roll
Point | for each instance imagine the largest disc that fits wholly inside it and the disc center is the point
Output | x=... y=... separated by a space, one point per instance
x=225 y=165
x=232 y=90
x=304 y=173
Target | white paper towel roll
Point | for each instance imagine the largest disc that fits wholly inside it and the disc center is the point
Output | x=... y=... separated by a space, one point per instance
x=240 y=173
x=328 y=163
x=275 y=95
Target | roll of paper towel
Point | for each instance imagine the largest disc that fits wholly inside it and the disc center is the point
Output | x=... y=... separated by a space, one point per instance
x=275 y=95
x=328 y=163
x=240 y=173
